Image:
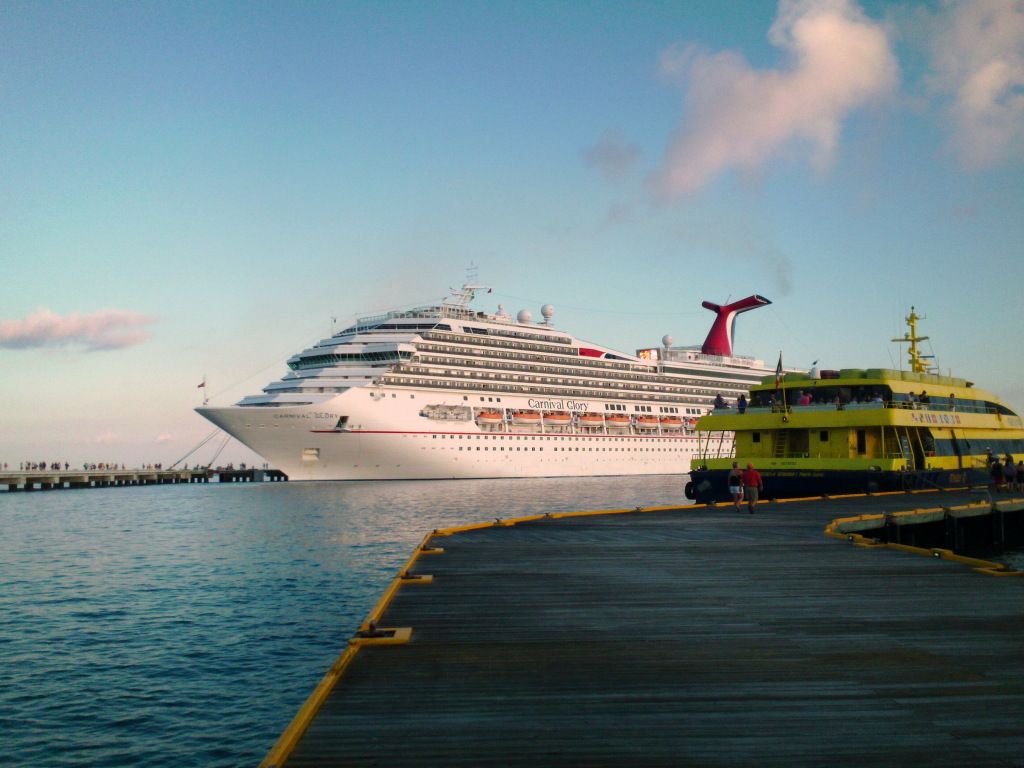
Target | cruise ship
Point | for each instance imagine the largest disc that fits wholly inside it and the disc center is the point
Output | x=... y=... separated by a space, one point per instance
x=446 y=391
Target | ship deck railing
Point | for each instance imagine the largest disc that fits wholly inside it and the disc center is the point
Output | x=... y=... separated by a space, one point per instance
x=906 y=405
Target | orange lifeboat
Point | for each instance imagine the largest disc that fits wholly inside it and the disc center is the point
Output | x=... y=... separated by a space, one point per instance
x=647 y=422
x=671 y=422
x=618 y=421
x=691 y=424
x=557 y=418
x=489 y=417
x=591 y=420
x=526 y=417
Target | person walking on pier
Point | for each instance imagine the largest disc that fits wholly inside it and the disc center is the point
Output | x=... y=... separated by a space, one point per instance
x=752 y=485
x=736 y=485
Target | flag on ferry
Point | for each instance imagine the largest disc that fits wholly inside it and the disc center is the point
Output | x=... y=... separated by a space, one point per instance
x=778 y=372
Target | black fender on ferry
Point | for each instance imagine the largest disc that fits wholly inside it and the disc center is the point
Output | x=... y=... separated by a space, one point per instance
x=688 y=490
x=703 y=492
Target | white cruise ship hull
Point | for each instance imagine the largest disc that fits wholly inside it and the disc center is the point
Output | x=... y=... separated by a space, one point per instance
x=386 y=437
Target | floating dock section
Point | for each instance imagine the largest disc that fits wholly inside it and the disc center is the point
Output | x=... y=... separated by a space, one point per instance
x=696 y=636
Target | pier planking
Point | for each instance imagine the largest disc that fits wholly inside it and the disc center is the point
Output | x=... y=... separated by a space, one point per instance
x=696 y=636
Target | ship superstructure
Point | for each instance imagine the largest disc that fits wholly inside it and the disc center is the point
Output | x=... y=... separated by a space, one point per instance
x=445 y=391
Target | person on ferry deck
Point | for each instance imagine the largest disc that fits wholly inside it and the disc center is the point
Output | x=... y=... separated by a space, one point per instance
x=741 y=403
x=1010 y=473
x=996 y=471
x=924 y=397
x=720 y=401
x=804 y=399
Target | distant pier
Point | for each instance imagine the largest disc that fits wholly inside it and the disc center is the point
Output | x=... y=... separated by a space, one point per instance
x=56 y=479
x=686 y=636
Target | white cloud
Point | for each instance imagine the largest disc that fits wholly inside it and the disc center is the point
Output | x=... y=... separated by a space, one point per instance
x=106 y=438
x=977 y=53
x=164 y=438
x=103 y=329
x=738 y=117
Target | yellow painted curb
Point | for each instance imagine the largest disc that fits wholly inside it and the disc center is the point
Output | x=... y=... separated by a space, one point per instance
x=286 y=743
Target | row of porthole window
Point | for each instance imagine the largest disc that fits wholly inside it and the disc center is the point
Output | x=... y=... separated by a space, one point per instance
x=580 y=362
x=585 y=450
x=397 y=381
x=533 y=367
x=544 y=437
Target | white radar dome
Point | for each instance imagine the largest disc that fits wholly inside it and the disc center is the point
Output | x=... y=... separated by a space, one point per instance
x=667 y=341
x=524 y=316
x=547 y=312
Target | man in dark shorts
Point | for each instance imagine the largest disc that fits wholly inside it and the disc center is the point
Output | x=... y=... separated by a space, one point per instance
x=752 y=485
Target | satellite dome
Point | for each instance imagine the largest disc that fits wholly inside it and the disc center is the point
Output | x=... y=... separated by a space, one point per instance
x=501 y=312
x=547 y=312
x=667 y=341
x=524 y=316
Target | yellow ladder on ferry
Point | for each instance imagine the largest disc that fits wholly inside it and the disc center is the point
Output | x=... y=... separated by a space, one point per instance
x=781 y=443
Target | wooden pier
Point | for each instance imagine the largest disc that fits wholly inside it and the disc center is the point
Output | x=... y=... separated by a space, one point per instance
x=696 y=636
x=56 y=479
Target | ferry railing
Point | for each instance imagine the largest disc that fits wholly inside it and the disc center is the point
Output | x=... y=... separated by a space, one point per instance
x=855 y=406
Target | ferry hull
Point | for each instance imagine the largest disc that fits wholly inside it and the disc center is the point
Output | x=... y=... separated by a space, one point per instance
x=708 y=486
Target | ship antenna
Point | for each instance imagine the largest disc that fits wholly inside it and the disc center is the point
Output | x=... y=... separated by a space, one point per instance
x=914 y=356
x=461 y=298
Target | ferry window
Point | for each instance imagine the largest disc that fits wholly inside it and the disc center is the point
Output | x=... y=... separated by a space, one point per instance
x=823 y=436
x=862 y=446
x=755 y=437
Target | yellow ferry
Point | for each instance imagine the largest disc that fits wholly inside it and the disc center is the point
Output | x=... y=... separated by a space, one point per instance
x=857 y=431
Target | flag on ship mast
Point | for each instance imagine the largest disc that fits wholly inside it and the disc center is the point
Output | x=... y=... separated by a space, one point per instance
x=780 y=398
x=200 y=386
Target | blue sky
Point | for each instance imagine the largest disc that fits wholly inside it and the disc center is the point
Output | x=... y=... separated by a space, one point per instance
x=196 y=189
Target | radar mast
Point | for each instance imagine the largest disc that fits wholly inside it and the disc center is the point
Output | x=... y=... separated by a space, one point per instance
x=914 y=356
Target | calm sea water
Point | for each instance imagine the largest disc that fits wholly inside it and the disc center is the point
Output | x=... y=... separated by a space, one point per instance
x=184 y=625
